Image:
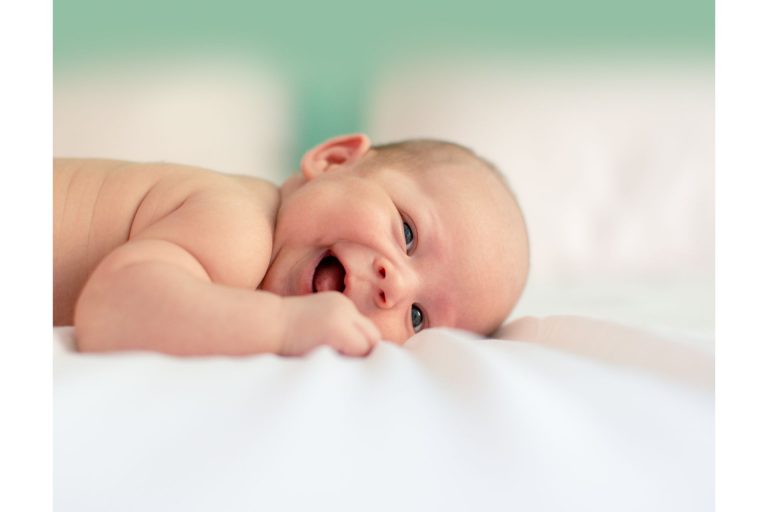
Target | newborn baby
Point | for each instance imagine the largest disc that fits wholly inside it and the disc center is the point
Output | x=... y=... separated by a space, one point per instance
x=365 y=243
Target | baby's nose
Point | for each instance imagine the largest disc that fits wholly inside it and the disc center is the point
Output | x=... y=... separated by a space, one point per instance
x=393 y=285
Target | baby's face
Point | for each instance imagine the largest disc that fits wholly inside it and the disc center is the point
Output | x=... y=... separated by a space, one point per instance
x=412 y=250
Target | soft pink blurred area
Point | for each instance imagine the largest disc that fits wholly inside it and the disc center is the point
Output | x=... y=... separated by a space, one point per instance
x=613 y=163
x=617 y=345
x=221 y=112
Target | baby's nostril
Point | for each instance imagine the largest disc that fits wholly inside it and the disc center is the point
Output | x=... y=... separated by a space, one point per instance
x=383 y=297
x=382 y=272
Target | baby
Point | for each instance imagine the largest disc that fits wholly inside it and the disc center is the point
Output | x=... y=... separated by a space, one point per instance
x=365 y=243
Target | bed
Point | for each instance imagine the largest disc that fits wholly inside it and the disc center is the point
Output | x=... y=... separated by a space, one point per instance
x=596 y=394
x=620 y=420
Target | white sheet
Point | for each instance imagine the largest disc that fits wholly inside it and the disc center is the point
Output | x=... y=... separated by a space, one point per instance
x=448 y=422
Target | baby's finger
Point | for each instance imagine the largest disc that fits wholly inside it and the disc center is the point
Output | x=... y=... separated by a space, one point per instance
x=371 y=331
x=371 y=334
x=354 y=345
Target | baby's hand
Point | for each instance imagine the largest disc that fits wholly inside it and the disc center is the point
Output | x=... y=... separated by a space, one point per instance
x=326 y=318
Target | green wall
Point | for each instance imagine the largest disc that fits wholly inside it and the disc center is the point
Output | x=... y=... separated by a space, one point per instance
x=332 y=49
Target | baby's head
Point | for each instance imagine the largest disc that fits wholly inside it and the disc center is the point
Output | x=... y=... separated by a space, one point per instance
x=417 y=234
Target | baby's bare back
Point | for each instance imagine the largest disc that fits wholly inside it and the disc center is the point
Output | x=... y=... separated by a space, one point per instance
x=100 y=204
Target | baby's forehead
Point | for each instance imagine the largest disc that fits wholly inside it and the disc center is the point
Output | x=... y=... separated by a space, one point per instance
x=466 y=175
x=470 y=204
x=488 y=247
x=468 y=197
x=465 y=182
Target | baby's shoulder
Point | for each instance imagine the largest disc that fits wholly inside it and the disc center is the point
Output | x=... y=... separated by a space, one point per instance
x=242 y=202
x=225 y=221
x=238 y=215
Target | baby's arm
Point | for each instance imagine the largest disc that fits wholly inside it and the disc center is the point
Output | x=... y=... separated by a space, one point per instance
x=179 y=287
x=152 y=294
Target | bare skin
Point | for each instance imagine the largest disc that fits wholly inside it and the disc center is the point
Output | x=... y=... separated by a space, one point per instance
x=131 y=239
x=100 y=205
x=187 y=261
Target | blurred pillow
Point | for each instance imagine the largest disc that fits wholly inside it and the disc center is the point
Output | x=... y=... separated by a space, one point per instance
x=226 y=115
x=610 y=343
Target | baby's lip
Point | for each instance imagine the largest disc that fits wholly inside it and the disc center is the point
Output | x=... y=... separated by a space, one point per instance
x=312 y=269
x=346 y=274
x=309 y=273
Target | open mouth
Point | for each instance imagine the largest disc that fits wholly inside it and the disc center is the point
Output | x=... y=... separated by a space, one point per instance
x=329 y=275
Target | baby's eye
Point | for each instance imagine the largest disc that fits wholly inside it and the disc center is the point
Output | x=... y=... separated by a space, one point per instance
x=417 y=318
x=408 y=233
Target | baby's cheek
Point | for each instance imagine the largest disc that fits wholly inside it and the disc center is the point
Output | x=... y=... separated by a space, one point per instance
x=362 y=220
x=389 y=328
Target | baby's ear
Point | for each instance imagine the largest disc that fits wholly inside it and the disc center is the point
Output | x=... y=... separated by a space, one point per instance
x=338 y=151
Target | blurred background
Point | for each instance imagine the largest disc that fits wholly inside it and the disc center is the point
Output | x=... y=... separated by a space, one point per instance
x=600 y=112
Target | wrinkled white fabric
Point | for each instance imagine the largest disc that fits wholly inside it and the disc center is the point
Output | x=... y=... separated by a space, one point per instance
x=447 y=422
